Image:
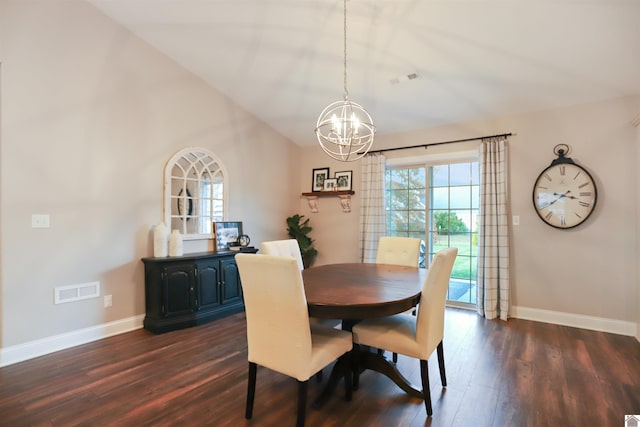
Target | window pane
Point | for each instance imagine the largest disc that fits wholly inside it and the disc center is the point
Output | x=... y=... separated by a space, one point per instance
x=398 y=199
x=399 y=220
x=475 y=173
x=439 y=176
x=417 y=177
x=440 y=198
x=460 y=197
x=465 y=218
x=460 y=174
x=417 y=222
x=398 y=178
x=475 y=197
x=417 y=199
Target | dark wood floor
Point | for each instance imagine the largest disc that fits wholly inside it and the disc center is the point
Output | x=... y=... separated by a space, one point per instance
x=518 y=373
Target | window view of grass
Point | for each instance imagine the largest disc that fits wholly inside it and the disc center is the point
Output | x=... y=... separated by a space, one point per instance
x=465 y=266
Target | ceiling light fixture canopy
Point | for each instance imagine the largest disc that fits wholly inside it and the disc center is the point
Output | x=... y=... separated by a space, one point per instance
x=345 y=129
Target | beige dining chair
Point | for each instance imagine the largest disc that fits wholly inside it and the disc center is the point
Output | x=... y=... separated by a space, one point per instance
x=398 y=251
x=279 y=335
x=415 y=336
x=290 y=248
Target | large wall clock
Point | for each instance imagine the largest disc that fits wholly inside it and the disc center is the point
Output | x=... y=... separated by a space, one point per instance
x=564 y=194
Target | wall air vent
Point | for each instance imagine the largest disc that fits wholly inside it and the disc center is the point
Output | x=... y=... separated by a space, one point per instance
x=405 y=78
x=72 y=293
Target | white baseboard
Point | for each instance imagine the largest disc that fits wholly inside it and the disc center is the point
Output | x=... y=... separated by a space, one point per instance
x=29 y=350
x=575 y=320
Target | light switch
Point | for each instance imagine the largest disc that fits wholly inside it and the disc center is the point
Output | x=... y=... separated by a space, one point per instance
x=40 y=221
x=516 y=220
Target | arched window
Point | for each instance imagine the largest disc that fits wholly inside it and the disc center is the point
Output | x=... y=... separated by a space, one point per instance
x=195 y=192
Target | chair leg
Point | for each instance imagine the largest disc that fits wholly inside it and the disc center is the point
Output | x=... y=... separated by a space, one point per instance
x=424 y=374
x=251 y=389
x=348 y=367
x=443 y=376
x=302 y=402
x=356 y=365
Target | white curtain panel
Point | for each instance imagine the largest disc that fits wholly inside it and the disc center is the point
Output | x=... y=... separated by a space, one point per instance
x=372 y=212
x=493 y=236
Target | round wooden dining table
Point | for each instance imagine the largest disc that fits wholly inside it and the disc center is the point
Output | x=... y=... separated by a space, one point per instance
x=356 y=291
x=360 y=291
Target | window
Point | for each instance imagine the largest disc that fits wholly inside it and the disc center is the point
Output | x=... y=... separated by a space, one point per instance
x=438 y=204
x=405 y=199
x=195 y=192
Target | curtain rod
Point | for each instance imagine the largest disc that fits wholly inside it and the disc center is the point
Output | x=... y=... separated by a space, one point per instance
x=441 y=143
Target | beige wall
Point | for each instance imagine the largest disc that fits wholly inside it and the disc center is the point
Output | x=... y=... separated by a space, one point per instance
x=637 y=192
x=90 y=114
x=589 y=272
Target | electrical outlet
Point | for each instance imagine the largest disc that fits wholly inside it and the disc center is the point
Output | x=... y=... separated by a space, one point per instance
x=40 y=221
x=108 y=301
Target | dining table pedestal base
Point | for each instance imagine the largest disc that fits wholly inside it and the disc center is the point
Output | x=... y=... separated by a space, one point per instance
x=362 y=359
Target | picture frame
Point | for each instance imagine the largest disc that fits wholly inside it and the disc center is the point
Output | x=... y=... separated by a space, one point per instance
x=226 y=233
x=318 y=177
x=344 y=180
x=330 y=184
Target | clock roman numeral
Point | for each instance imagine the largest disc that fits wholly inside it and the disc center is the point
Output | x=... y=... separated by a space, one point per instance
x=562 y=220
x=584 y=204
x=547 y=177
x=578 y=215
x=548 y=215
x=562 y=170
x=583 y=185
x=585 y=193
x=577 y=175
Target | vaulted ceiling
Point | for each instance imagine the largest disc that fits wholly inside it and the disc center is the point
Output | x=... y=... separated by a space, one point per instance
x=282 y=60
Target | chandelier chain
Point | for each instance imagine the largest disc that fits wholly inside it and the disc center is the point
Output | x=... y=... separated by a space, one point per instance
x=346 y=92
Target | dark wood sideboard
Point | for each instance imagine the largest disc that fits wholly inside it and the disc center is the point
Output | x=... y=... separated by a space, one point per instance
x=192 y=289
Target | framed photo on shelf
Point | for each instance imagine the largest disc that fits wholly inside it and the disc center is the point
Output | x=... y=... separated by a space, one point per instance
x=226 y=233
x=330 y=184
x=344 y=180
x=318 y=178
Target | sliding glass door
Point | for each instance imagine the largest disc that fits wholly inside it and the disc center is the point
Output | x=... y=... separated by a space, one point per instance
x=439 y=203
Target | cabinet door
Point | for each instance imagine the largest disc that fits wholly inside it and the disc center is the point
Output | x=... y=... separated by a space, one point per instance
x=208 y=284
x=231 y=288
x=178 y=289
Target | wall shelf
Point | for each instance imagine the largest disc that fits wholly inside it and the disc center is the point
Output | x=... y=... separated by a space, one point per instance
x=345 y=198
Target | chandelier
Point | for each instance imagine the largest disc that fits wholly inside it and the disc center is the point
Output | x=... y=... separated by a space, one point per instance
x=345 y=130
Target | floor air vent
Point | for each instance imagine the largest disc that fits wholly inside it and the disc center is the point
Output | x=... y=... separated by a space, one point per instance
x=72 y=293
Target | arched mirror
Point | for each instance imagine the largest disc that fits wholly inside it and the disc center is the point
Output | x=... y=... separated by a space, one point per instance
x=195 y=192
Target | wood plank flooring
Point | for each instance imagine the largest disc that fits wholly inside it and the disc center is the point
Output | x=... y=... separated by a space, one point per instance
x=518 y=373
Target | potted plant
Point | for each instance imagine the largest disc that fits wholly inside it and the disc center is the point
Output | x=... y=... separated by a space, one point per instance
x=298 y=228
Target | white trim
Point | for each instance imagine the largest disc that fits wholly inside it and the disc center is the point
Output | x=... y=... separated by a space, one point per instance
x=453 y=156
x=29 y=350
x=602 y=324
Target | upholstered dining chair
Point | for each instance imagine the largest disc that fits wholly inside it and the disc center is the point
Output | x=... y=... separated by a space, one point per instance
x=415 y=336
x=398 y=251
x=279 y=335
x=290 y=248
